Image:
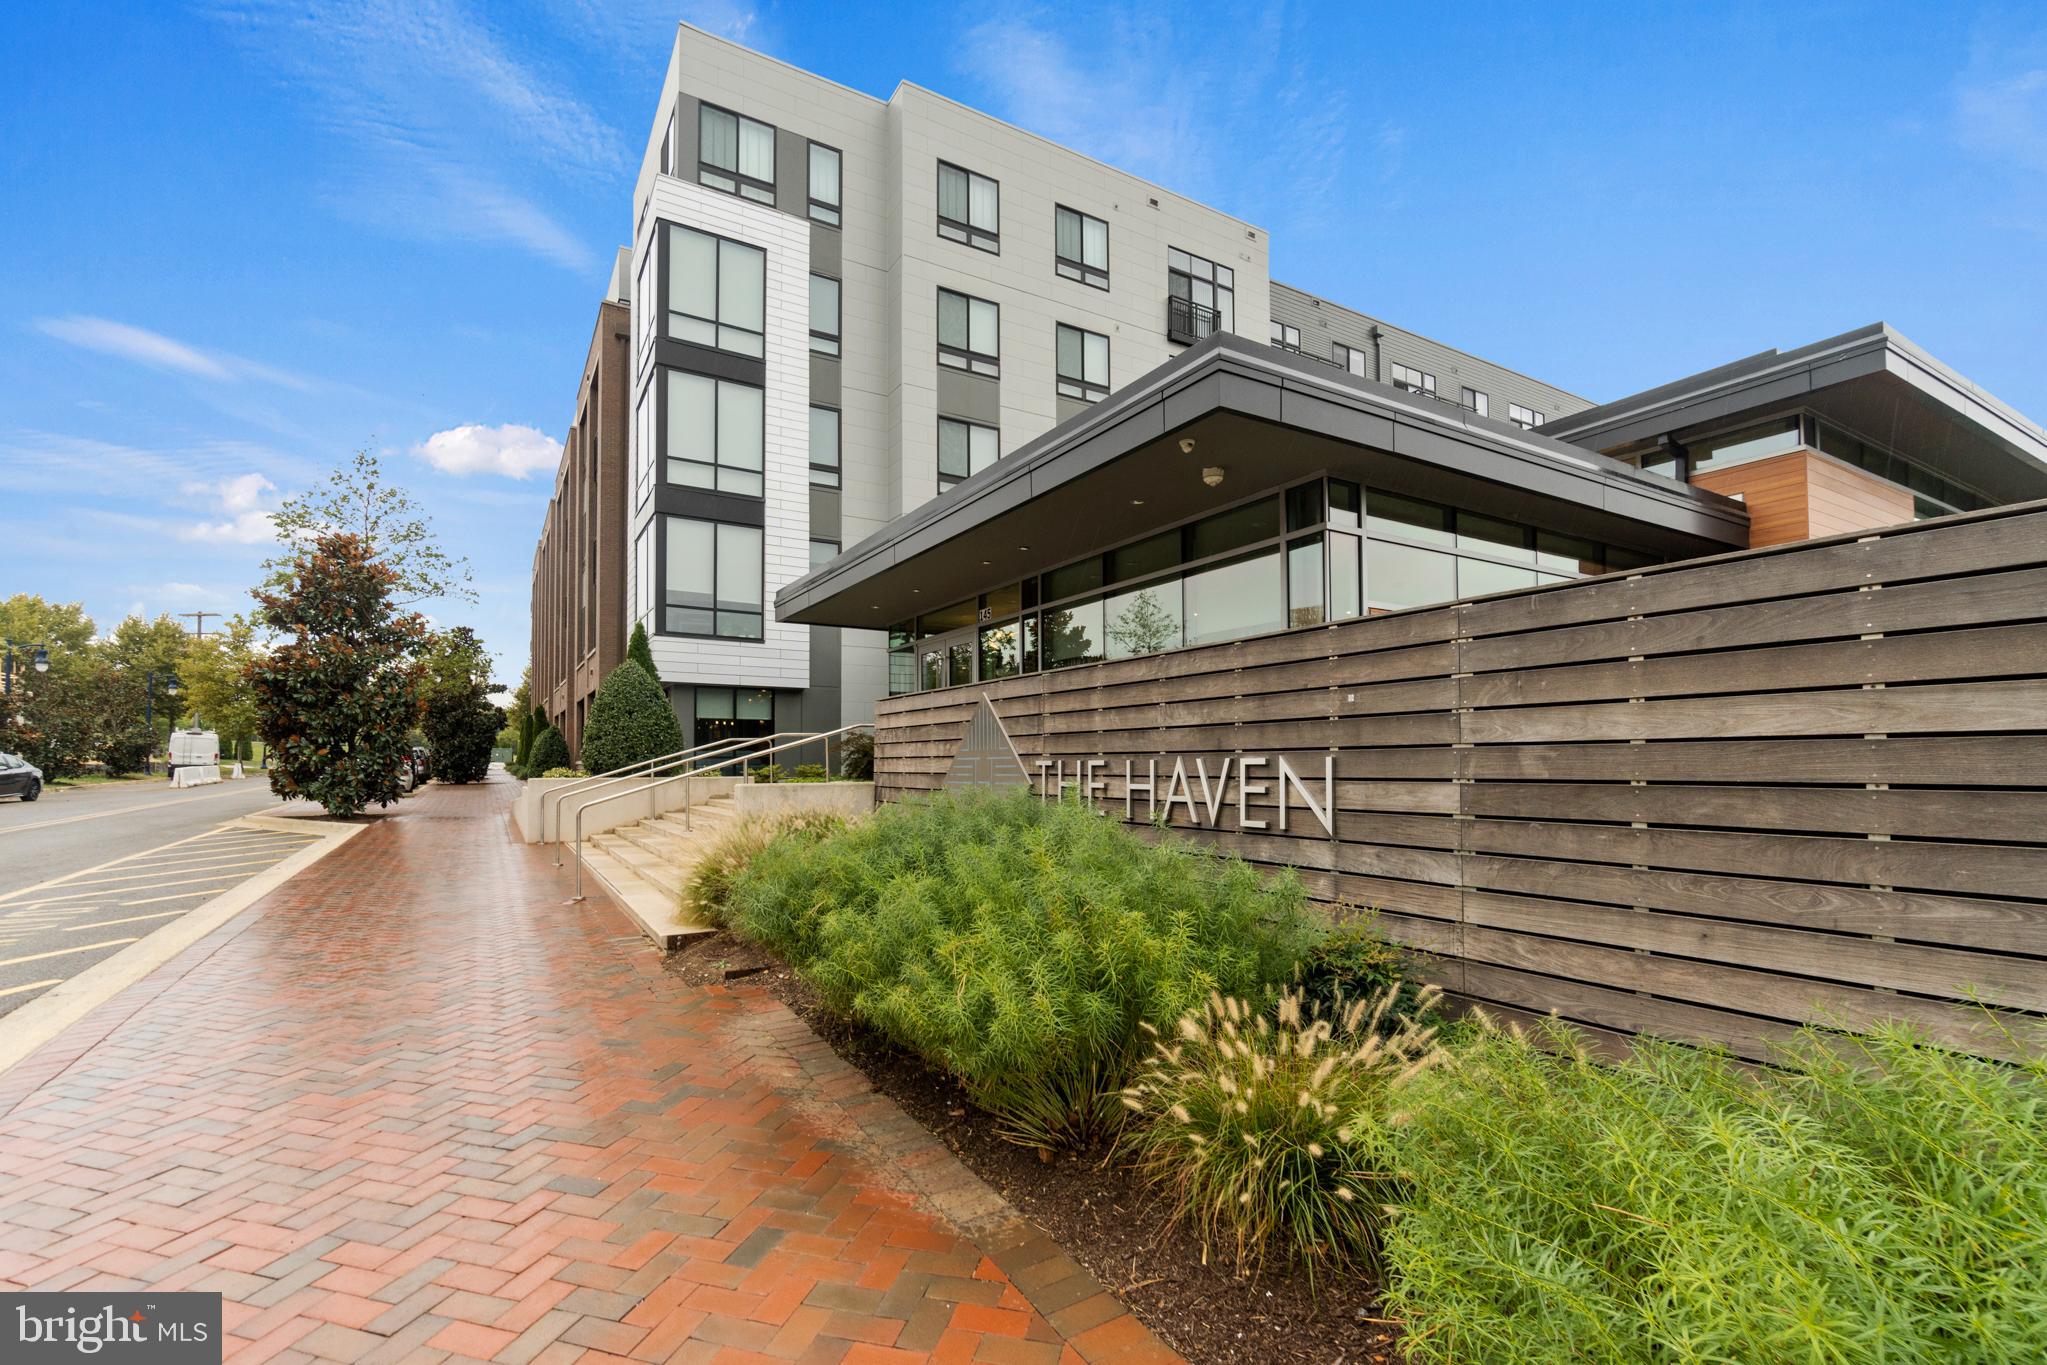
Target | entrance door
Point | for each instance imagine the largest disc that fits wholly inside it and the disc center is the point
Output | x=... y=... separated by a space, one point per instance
x=946 y=660
x=728 y=713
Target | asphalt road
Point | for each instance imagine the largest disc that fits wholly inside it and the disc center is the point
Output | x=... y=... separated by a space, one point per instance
x=85 y=872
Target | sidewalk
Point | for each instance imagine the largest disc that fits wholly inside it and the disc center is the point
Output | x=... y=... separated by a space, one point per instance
x=413 y=1107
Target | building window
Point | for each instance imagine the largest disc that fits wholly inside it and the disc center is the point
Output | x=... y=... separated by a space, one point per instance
x=1201 y=297
x=643 y=574
x=965 y=449
x=715 y=434
x=1083 y=364
x=1081 y=246
x=968 y=332
x=1349 y=359
x=714 y=582
x=724 y=714
x=824 y=315
x=643 y=446
x=968 y=207
x=717 y=291
x=1413 y=380
x=735 y=154
x=1473 y=399
x=1528 y=419
x=823 y=552
x=825 y=201
x=824 y=447
x=1286 y=336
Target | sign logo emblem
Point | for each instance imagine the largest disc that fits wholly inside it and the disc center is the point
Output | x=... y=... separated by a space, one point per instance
x=986 y=757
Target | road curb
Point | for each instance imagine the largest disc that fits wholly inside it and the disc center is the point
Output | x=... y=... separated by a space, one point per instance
x=26 y=1029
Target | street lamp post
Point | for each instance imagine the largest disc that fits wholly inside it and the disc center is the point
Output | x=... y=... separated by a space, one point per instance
x=170 y=689
x=39 y=661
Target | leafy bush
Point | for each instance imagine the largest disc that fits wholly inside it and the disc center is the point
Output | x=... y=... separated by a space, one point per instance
x=565 y=771
x=1259 y=1129
x=1019 y=944
x=856 y=757
x=1352 y=962
x=630 y=721
x=640 y=652
x=459 y=722
x=769 y=772
x=550 y=751
x=711 y=879
x=1876 y=1198
x=810 y=772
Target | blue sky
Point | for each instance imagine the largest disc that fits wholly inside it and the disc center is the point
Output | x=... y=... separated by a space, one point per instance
x=240 y=239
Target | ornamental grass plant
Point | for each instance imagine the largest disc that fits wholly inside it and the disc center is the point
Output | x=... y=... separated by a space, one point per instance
x=711 y=877
x=1263 y=1129
x=1019 y=944
x=1869 y=1198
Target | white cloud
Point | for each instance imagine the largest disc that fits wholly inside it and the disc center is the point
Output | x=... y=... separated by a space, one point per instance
x=2000 y=115
x=246 y=521
x=128 y=342
x=515 y=452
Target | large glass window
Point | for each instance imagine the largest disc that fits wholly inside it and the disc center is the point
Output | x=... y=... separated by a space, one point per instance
x=1760 y=442
x=964 y=449
x=1144 y=620
x=1304 y=594
x=1346 y=560
x=969 y=333
x=823 y=552
x=1476 y=577
x=1226 y=531
x=1399 y=576
x=968 y=206
x=1201 y=296
x=1080 y=246
x=1000 y=653
x=824 y=315
x=643 y=574
x=1073 y=635
x=824 y=447
x=735 y=153
x=1414 y=380
x=715 y=434
x=1244 y=597
x=825 y=200
x=717 y=291
x=1083 y=363
x=714 y=582
x=1387 y=514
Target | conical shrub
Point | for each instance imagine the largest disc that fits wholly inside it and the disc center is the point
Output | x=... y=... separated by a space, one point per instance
x=630 y=720
x=550 y=750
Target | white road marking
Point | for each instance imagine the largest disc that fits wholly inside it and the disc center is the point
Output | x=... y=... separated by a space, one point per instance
x=132 y=919
x=124 y=810
x=152 y=900
x=59 y=952
x=31 y=986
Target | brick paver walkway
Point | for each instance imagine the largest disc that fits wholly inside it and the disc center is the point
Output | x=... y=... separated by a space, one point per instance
x=413 y=1107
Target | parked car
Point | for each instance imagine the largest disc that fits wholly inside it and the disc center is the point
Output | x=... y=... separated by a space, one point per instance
x=422 y=765
x=19 y=777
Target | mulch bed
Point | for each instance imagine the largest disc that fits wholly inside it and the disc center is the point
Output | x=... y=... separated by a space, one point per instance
x=1093 y=1207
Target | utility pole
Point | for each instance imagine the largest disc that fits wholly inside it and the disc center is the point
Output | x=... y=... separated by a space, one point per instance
x=199 y=622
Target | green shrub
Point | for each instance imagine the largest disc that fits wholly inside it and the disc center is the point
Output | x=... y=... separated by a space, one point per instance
x=1352 y=962
x=810 y=772
x=565 y=772
x=1262 y=1130
x=711 y=879
x=856 y=757
x=640 y=652
x=630 y=721
x=1019 y=944
x=769 y=772
x=1876 y=1198
x=550 y=750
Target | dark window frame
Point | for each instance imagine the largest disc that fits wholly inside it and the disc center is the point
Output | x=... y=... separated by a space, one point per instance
x=1340 y=354
x=837 y=549
x=1527 y=418
x=1422 y=382
x=1287 y=336
x=661 y=579
x=949 y=481
x=963 y=231
x=838 y=466
x=1081 y=387
x=664 y=457
x=1185 y=318
x=836 y=339
x=835 y=208
x=664 y=268
x=1466 y=395
x=965 y=358
x=740 y=181
x=1096 y=277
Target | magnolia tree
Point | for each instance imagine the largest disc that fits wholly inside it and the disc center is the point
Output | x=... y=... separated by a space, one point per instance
x=337 y=695
x=460 y=723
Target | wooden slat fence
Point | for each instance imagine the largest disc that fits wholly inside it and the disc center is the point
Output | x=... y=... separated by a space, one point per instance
x=1707 y=800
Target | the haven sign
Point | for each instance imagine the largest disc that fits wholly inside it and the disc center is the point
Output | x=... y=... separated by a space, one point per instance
x=988 y=757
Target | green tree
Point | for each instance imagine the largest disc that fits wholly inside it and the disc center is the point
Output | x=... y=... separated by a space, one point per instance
x=336 y=698
x=162 y=647
x=32 y=621
x=550 y=750
x=460 y=723
x=641 y=652
x=630 y=720
x=395 y=531
x=216 y=682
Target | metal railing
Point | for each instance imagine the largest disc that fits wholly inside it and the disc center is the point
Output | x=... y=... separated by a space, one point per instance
x=728 y=750
x=688 y=791
x=1189 y=321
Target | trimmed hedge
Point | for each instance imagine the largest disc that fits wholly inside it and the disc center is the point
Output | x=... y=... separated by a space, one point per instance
x=550 y=750
x=630 y=721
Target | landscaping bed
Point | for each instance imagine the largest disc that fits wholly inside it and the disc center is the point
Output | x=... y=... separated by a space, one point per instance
x=1090 y=1203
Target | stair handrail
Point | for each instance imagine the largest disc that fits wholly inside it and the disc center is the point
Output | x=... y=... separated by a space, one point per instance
x=577 y=845
x=727 y=749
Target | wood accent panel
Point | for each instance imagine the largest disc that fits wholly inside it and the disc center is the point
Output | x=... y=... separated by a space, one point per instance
x=1802 y=494
x=1710 y=800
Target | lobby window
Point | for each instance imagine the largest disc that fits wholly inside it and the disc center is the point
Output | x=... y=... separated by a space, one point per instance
x=714 y=585
x=823 y=552
x=1777 y=437
x=1474 y=400
x=964 y=449
x=969 y=332
x=825 y=201
x=735 y=154
x=1143 y=620
x=1413 y=380
x=716 y=434
x=1201 y=296
x=1286 y=336
x=824 y=447
x=1080 y=246
x=1528 y=419
x=729 y=713
x=1244 y=597
x=1349 y=359
x=717 y=291
x=1083 y=359
x=968 y=207
x=824 y=314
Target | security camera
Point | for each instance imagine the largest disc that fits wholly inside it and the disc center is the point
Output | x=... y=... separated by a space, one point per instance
x=1186 y=445
x=1213 y=476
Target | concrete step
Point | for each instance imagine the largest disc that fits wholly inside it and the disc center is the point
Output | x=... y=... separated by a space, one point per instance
x=652 y=906
x=646 y=865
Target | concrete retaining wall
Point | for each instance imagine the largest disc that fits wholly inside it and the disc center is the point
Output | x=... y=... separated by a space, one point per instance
x=850 y=799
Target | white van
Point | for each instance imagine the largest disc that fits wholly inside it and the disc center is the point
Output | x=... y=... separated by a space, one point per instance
x=197 y=749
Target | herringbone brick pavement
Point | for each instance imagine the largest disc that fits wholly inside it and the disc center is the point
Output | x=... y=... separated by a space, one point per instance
x=414 y=1107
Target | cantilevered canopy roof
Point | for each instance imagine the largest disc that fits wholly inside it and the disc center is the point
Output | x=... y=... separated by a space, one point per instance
x=1872 y=381
x=1265 y=418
